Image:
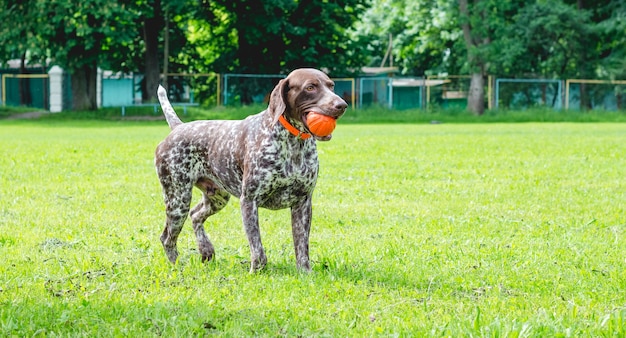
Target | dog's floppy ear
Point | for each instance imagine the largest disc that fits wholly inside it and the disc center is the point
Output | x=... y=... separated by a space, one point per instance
x=278 y=104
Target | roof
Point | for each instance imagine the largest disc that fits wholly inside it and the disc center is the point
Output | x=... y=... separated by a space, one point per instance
x=372 y=71
x=412 y=82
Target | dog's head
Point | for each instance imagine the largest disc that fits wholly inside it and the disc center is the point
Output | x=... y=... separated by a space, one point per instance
x=302 y=92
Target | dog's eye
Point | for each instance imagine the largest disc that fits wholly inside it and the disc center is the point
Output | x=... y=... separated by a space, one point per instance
x=310 y=88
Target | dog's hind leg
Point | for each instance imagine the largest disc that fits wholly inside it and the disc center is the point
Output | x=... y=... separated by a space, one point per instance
x=213 y=200
x=177 y=199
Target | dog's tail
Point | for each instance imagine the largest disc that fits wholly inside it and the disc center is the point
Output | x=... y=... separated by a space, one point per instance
x=170 y=115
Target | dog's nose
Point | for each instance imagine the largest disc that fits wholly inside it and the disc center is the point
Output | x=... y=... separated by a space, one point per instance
x=341 y=104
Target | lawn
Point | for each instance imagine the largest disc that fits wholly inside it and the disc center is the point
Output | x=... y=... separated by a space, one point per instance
x=482 y=229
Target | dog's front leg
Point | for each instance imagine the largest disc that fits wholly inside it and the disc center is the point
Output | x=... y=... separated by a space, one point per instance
x=250 y=215
x=301 y=215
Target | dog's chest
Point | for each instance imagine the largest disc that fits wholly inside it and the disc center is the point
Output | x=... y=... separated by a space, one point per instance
x=287 y=173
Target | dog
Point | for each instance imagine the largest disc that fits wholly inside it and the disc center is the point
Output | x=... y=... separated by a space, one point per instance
x=268 y=160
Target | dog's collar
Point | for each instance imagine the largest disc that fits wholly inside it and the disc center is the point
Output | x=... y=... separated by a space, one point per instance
x=293 y=130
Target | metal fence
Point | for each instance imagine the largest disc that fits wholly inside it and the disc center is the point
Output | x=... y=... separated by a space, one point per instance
x=394 y=92
x=525 y=93
x=246 y=89
x=31 y=90
x=242 y=89
x=595 y=94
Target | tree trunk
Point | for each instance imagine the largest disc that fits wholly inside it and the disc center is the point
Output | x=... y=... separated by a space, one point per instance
x=476 y=95
x=84 y=87
x=24 y=84
x=250 y=52
x=585 y=101
x=151 y=29
x=166 y=46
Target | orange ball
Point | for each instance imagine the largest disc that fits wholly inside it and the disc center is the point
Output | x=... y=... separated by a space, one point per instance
x=321 y=125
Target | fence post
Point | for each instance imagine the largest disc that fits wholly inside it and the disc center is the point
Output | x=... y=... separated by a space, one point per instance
x=99 y=87
x=56 y=89
x=390 y=93
x=225 y=90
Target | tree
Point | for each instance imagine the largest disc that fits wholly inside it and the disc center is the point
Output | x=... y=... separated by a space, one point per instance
x=153 y=25
x=478 y=65
x=121 y=36
x=564 y=40
x=614 y=64
x=605 y=16
x=18 y=34
x=442 y=36
x=213 y=38
x=512 y=38
x=155 y=35
x=19 y=41
x=77 y=36
x=316 y=35
x=552 y=40
x=275 y=36
x=477 y=35
x=423 y=35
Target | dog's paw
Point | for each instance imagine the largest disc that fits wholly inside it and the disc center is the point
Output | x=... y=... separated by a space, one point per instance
x=257 y=263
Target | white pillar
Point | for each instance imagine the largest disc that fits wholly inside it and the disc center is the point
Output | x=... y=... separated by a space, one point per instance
x=99 y=88
x=56 y=89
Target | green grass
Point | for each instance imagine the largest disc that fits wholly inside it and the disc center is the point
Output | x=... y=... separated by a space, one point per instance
x=372 y=115
x=424 y=230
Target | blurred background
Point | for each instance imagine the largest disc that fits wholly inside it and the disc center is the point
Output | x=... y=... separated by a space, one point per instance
x=400 y=54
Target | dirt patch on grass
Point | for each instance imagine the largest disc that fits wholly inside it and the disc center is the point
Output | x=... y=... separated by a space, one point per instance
x=26 y=116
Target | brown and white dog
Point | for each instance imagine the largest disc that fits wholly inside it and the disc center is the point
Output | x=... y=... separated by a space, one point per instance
x=268 y=160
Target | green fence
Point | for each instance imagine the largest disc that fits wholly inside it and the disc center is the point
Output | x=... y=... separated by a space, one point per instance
x=28 y=90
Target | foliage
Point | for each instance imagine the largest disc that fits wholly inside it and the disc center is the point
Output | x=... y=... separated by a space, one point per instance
x=422 y=35
x=75 y=36
x=548 y=40
x=18 y=33
x=416 y=232
x=276 y=36
x=213 y=39
x=76 y=33
x=485 y=21
x=161 y=43
x=613 y=29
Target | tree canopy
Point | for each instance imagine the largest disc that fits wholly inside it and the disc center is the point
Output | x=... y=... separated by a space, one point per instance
x=539 y=38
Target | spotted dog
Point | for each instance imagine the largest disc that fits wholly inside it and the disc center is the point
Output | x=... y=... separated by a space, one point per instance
x=268 y=160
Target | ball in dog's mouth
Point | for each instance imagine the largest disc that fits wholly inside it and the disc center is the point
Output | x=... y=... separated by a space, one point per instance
x=320 y=125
